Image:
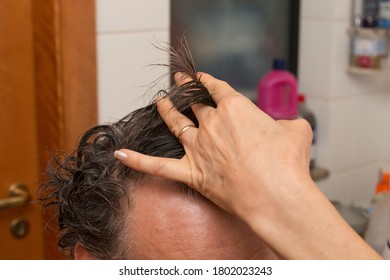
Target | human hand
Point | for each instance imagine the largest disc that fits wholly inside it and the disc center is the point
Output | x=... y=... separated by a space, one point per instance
x=239 y=157
x=257 y=169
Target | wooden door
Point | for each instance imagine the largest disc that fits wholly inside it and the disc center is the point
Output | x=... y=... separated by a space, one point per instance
x=18 y=141
x=47 y=98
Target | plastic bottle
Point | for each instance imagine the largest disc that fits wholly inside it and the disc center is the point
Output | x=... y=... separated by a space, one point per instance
x=378 y=230
x=368 y=49
x=305 y=113
x=370 y=12
x=382 y=188
x=384 y=14
x=277 y=92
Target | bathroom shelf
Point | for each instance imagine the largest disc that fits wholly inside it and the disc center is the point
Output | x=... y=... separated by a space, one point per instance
x=369 y=32
x=319 y=173
x=363 y=71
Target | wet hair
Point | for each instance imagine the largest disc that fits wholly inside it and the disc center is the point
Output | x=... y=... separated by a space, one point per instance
x=91 y=191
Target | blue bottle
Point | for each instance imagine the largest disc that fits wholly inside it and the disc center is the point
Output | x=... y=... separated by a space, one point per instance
x=384 y=14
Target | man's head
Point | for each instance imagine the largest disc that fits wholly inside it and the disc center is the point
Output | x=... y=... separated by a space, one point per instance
x=168 y=221
x=109 y=211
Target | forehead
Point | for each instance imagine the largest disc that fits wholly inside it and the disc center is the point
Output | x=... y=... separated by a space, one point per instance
x=167 y=222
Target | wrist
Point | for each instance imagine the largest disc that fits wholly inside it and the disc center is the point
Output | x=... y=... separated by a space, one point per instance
x=303 y=224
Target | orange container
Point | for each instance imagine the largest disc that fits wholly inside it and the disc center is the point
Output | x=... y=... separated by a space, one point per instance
x=384 y=185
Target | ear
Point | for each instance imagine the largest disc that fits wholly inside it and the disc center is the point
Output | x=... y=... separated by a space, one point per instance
x=80 y=253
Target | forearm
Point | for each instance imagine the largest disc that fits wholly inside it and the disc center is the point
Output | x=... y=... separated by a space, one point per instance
x=307 y=226
x=256 y=168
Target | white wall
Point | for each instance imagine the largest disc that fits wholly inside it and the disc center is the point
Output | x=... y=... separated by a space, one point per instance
x=353 y=111
x=126 y=30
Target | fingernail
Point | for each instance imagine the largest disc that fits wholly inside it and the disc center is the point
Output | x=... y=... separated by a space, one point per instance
x=158 y=98
x=120 y=155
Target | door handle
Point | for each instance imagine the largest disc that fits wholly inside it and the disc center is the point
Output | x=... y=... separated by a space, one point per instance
x=18 y=196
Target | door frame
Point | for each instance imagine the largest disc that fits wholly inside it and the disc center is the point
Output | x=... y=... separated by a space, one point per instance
x=65 y=71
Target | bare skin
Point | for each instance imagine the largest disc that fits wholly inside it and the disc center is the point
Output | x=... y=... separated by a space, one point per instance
x=166 y=222
x=257 y=169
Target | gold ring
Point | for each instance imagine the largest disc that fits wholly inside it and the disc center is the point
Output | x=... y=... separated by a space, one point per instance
x=184 y=129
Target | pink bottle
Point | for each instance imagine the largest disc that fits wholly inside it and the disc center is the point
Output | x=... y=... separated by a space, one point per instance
x=277 y=92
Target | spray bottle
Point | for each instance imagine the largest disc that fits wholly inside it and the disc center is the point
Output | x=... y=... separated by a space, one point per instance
x=378 y=230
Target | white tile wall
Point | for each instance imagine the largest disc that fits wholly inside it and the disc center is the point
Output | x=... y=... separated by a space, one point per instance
x=314 y=71
x=341 y=9
x=353 y=111
x=355 y=126
x=330 y=9
x=385 y=152
x=385 y=155
x=129 y=15
x=127 y=30
x=124 y=74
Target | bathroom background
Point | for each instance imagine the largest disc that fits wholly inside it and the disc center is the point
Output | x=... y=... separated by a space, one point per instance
x=353 y=111
x=57 y=57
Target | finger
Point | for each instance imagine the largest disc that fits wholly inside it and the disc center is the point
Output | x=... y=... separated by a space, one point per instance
x=181 y=78
x=168 y=168
x=175 y=121
x=218 y=89
x=200 y=111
